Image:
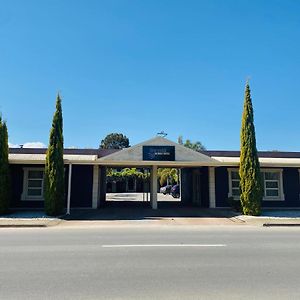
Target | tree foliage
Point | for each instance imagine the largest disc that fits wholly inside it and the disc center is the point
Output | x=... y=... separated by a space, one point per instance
x=197 y=146
x=113 y=174
x=4 y=169
x=54 y=169
x=115 y=141
x=167 y=176
x=250 y=176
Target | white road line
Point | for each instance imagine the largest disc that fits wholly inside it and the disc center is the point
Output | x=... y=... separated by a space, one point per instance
x=163 y=245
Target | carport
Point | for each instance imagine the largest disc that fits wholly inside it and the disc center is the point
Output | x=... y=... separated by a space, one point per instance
x=160 y=153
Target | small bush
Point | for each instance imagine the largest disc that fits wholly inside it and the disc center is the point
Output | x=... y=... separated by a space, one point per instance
x=235 y=204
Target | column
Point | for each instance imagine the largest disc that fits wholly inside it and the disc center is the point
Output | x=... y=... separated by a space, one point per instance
x=69 y=189
x=102 y=187
x=95 y=187
x=212 y=187
x=153 y=187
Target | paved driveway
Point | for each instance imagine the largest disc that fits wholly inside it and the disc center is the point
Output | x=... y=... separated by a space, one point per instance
x=142 y=197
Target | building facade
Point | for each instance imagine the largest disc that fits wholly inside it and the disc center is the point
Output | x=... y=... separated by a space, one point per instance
x=208 y=179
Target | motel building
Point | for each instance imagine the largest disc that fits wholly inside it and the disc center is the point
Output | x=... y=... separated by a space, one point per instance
x=207 y=179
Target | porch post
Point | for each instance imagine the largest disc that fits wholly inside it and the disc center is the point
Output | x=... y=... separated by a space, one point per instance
x=69 y=189
x=95 y=186
x=153 y=187
x=212 y=187
x=102 y=187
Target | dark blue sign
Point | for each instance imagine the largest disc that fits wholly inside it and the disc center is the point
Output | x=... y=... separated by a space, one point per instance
x=163 y=153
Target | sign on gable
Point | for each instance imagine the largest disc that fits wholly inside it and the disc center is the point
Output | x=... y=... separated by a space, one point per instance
x=159 y=153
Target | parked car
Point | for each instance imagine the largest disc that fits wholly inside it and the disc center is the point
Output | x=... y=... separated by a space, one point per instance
x=165 y=189
x=175 y=191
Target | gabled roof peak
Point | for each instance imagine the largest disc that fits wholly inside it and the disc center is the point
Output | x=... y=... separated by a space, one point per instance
x=183 y=155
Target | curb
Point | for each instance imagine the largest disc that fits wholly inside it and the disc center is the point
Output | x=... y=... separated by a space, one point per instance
x=281 y=225
x=23 y=226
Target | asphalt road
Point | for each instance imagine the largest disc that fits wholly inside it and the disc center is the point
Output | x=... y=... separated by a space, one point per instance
x=171 y=262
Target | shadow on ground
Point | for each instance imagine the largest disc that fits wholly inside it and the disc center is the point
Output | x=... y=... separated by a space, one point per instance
x=142 y=211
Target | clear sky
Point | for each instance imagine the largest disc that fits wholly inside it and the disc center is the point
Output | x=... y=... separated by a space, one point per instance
x=142 y=66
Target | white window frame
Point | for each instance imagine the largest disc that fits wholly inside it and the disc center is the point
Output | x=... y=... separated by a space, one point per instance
x=230 y=170
x=265 y=198
x=280 y=185
x=25 y=196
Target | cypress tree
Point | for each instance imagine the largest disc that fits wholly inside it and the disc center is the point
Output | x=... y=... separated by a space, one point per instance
x=54 y=169
x=4 y=169
x=250 y=176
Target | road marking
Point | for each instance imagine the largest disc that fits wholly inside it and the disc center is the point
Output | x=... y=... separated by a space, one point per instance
x=163 y=245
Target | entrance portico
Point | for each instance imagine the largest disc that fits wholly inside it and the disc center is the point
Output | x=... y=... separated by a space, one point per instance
x=160 y=153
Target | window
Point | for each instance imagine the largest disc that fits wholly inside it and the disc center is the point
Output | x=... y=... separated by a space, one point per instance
x=33 y=187
x=234 y=183
x=272 y=184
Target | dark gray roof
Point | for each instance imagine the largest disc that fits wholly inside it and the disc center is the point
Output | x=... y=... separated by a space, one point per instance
x=271 y=154
x=105 y=152
x=99 y=152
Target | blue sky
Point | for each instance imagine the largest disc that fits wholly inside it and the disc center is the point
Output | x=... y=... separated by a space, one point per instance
x=139 y=67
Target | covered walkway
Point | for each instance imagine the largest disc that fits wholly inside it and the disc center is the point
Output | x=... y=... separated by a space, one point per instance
x=162 y=153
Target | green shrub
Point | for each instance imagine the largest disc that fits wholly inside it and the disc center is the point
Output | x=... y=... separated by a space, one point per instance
x=235 y=204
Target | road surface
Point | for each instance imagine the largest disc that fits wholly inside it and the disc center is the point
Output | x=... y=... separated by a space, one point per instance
x=167 y=262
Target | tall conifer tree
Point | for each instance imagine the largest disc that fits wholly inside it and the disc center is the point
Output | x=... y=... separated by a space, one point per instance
x=250 y=176
x=4 y=169
x=54 y=169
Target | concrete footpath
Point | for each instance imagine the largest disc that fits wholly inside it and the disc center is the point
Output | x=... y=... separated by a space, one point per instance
x=138 y=217
x=269 y=221
x=123 y=216
x=148 y=217
x=28 y=219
